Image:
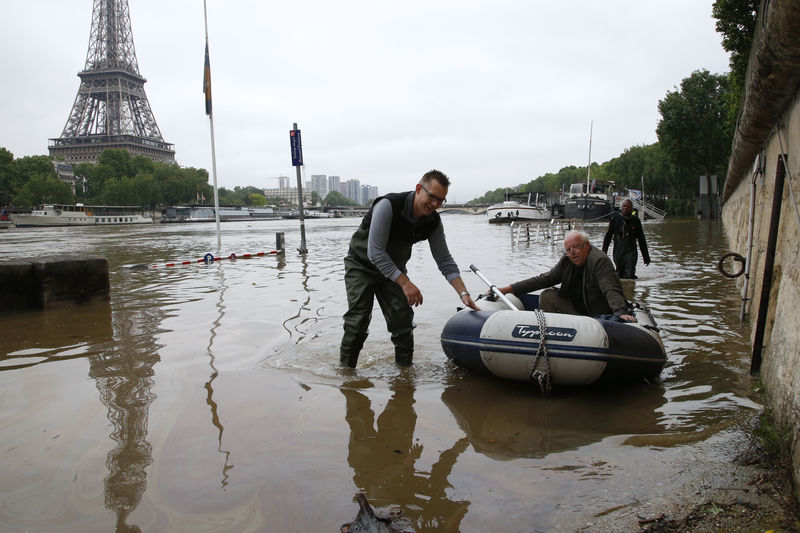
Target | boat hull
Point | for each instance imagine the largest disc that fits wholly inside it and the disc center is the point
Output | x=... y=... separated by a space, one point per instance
x=77 y=219
x=587 y=208
x=582 y=350
x=504 y=213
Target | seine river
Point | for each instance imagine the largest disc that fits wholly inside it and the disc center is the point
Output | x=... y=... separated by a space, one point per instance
x=209 y=397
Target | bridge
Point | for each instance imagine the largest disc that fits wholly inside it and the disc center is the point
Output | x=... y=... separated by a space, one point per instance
x=470 y=209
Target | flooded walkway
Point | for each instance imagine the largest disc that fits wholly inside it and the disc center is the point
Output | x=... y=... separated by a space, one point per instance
x=209 y=397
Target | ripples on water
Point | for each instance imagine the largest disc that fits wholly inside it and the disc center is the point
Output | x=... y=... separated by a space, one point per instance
x=220 y=387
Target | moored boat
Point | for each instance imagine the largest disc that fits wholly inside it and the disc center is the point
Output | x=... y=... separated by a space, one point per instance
x=590 y=201
x=82 y=215
x=578 y=350
x=512 y=210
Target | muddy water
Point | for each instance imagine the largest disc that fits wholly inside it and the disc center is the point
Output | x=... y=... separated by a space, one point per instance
x=209 y=397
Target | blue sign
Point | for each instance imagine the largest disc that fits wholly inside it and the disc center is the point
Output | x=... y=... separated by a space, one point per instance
x=297 y=148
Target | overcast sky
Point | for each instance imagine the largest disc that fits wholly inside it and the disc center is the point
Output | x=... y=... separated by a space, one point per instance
x=493 y=93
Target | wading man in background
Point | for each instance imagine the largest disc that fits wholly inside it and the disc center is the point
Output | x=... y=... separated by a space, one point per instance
x=375 y=266
x=589 y=285
x=626 y=230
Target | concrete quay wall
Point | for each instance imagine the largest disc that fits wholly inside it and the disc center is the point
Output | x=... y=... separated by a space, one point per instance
x=47 y=282
x=769 y=124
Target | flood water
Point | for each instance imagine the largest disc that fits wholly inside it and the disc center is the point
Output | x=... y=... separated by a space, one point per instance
x=209 y=397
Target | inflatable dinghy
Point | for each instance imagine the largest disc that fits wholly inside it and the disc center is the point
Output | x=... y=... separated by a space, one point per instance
x=578 y=350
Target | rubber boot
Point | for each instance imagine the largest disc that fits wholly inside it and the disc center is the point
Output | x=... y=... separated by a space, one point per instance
x=403 y=348
x=403 y=359
x=350 y=348
x=348 y=359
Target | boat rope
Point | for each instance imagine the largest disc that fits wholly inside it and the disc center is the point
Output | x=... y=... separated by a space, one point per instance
x=542 y=377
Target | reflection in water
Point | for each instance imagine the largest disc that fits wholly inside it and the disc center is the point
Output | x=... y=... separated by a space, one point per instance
x=124 y=378
x=53 y=335
x=214 y=373
x=506 y=420
x=298 y=319
x=383 y=459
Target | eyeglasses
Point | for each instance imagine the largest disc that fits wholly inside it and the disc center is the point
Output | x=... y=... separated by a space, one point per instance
x=575 y=248
x=437 y=199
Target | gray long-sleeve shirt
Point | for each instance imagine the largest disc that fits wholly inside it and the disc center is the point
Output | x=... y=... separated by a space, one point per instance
x=379 y=234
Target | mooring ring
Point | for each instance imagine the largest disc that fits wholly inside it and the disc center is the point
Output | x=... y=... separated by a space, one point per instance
x=737 y=258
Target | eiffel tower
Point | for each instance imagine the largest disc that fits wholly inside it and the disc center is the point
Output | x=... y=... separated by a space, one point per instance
x=111 y=109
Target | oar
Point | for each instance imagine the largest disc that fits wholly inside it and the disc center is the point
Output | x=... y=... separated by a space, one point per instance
x=493 y=288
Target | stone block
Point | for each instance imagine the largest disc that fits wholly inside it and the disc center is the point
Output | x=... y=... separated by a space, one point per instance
x=47 y=282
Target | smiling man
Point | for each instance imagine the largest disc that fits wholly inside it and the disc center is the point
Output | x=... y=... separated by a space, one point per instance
x=589 y=283
x=375 y=266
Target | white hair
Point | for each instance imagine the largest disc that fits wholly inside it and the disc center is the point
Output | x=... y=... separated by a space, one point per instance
x=582 y=234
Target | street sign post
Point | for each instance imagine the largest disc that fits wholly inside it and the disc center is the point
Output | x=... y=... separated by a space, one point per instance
x=296 y=145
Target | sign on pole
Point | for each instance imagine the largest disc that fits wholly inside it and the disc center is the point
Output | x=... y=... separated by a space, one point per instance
x=297 y=162
x=297 y=148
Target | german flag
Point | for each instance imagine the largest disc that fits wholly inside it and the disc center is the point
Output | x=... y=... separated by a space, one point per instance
x=207 y=82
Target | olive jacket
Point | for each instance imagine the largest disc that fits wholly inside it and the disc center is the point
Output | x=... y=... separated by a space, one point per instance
x=602 y=288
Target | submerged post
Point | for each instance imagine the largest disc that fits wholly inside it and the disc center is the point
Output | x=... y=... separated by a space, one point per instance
x=280 y=243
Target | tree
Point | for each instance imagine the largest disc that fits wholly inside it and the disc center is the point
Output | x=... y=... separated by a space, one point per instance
x=335 y=198
x=9 y=178
x=43 y=190
x=692 y=132
x=118 y=161
x=256 y=199
x=639 y=163
x=736 y=21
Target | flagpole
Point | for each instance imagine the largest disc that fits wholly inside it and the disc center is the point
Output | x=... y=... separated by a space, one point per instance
x=210 y=112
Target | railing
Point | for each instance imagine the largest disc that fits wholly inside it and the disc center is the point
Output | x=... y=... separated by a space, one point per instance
x=553 y=231
x=649 y=209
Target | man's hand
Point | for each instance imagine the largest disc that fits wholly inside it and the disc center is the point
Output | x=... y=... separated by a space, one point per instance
x=628 y=318
x=467 y=300
x=413 y=294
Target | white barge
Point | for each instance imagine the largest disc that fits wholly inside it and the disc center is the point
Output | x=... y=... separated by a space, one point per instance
x=82 y=215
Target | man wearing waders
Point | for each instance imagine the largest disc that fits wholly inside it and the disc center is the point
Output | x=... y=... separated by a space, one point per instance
x=626 y=229
x=375 y=266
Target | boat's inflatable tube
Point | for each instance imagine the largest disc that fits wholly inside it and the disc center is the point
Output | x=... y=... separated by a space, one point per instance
x=582 y=350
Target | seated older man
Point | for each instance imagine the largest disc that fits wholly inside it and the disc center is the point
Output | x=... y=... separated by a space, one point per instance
x=589 y=282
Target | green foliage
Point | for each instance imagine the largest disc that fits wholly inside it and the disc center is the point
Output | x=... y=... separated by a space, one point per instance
x=736 y=22
x=336 y=198
x=9 y=178
x=680 y=207
x=692 y=131
x=239 y=196
x=117 y=179
x=637 y=164
x=43 y=190
x=256 y=199
x=774 y=438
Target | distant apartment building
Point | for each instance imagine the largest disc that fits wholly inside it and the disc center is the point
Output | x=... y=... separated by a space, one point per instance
x=283 y=182
x=288 y=195
x=65 y=173
x=368 y=194
x=319 y=185
x=353 y=190
x=333 y=184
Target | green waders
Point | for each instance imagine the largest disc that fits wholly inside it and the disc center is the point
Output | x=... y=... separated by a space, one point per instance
x=363 y=286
